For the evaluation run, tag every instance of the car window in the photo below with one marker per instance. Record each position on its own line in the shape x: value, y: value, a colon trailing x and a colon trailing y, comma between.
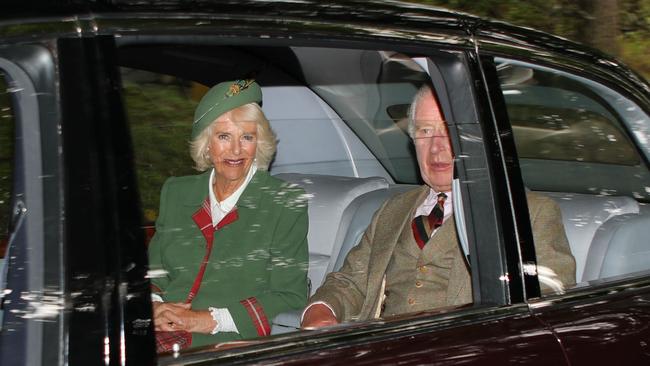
x: 6, y: 174
x: 581, y: 144
x: 341, y: 137
x: 159, y: 108
x: 557, y: 118
x: 373, y: 102
x: 336, y: 126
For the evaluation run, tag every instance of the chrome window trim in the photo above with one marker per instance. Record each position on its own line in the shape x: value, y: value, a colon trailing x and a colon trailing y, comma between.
x: 28, y: 196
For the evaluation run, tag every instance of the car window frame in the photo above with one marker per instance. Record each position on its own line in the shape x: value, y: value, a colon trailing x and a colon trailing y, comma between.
x: 577, y: 68
x: 508, y: 292
x: 28, y: 231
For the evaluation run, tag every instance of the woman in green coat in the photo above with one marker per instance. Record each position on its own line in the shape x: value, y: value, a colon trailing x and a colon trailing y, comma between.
x: 230, y: 249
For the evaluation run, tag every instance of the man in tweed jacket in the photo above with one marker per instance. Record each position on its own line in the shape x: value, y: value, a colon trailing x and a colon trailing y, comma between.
x: 393, y: 271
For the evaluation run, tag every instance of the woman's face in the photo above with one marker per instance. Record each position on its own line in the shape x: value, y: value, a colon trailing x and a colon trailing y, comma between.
x: 232, y: 148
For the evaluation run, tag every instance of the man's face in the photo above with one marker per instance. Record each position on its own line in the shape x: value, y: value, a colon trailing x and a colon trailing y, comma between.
x: 432, y: 145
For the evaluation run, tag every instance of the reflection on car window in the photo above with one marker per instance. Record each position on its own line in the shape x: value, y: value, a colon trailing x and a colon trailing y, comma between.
x: 160, y: 109
x: 573, y: 143
x: 558, y: 118
x: 342, y: 138
x: 6, y: 162
x: 373, y: 102
x: 6, y: 174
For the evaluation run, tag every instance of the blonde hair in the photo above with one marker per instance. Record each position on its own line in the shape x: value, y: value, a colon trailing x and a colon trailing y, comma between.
x: 266, y: 140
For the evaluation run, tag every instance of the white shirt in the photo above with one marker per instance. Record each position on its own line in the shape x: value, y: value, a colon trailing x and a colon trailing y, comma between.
x: 430, y: 202
x: 220, y: 209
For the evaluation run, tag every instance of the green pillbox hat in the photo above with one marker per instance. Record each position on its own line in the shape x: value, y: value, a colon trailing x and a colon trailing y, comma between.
x: 223, y: 97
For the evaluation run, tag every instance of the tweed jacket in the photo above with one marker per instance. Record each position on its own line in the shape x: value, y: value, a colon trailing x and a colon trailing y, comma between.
x: 258, y: 264
x: 356, y: 291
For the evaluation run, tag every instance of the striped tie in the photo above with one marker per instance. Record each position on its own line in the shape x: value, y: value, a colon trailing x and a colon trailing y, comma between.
x: 423, y: 226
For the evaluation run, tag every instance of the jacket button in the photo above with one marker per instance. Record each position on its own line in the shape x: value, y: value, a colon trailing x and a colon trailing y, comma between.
x: 418, y: 284
x: 411, y: 301
x: 423, y: 269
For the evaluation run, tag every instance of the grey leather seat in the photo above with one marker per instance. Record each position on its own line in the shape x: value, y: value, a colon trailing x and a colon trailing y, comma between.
x: 340, y: 209
x: 360, y: 213
x: 621, y: 246
x: 583, y: 215
x: 607, y: 234
x: 329, y: 215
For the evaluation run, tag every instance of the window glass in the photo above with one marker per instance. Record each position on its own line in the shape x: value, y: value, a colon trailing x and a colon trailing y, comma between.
x: 341, y: 137
x: 160, y: 108
x: 373, y: 102
x: 579, y: 143
x: 336, y: 126
x: 555, y: 117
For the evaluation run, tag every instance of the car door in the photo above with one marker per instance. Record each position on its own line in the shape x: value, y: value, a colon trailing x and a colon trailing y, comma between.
x: 581, y: 135
x: 499, y: 328
x: 32, y: 306
x: 73, y: 284
x: 107, y: 292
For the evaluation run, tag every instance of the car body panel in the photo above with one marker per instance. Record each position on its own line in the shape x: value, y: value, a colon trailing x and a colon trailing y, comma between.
x: 612, y: 329
x: 478, y: 336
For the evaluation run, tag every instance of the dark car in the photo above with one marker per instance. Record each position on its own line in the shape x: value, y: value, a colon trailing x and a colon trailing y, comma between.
x: 97, y: 100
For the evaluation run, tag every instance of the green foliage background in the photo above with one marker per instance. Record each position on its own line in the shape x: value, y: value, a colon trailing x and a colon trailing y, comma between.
x: 160, y: 115
x: 570, y: 19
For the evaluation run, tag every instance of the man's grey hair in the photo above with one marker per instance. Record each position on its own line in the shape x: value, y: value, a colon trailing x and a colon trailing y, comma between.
x: 422, y: 92
x: 266, y: 140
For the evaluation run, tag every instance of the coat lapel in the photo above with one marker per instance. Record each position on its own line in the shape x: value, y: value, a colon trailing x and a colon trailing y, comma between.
x: 391, y: 223
x: 197, y: 192
x: 459, y: 289
x: 198, y: 197
x: 387, y: 233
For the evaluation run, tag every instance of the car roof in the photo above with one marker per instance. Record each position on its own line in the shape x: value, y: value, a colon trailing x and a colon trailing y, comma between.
x: 398, y: 20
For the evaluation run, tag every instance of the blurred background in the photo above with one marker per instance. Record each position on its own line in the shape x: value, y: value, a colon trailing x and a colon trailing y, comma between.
x: 620, y: 28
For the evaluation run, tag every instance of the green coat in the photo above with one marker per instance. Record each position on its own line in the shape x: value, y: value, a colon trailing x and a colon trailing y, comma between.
x: 262, y: 255
x: 356, y: 291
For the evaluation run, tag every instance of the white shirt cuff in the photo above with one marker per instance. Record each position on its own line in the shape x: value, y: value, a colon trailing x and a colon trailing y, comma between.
x: 156, y: 298
x: 315, y: 303
x: 225, y: 322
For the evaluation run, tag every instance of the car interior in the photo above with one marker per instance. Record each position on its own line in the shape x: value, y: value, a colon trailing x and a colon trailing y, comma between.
x: 339, y: 115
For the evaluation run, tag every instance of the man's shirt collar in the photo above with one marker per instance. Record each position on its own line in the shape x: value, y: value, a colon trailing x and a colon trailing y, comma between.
x: 431, y: 200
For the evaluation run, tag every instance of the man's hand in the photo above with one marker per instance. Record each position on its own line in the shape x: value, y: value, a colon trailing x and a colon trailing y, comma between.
x: 317, y: 316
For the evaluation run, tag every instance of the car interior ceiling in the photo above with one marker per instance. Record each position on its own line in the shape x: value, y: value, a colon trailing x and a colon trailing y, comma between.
x: 210, y: 65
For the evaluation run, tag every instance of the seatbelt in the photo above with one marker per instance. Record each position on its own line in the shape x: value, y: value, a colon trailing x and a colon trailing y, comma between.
x: 459, y: 217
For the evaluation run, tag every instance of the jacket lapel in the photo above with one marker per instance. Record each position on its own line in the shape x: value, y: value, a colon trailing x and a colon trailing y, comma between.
x: 389, y: 227
x: 197, y: 192
x: 203, y: 217
x: 459, y: 289
x: 387, y: 233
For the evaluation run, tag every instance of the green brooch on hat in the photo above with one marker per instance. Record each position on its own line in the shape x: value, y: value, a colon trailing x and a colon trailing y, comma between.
x: 224, y: 97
